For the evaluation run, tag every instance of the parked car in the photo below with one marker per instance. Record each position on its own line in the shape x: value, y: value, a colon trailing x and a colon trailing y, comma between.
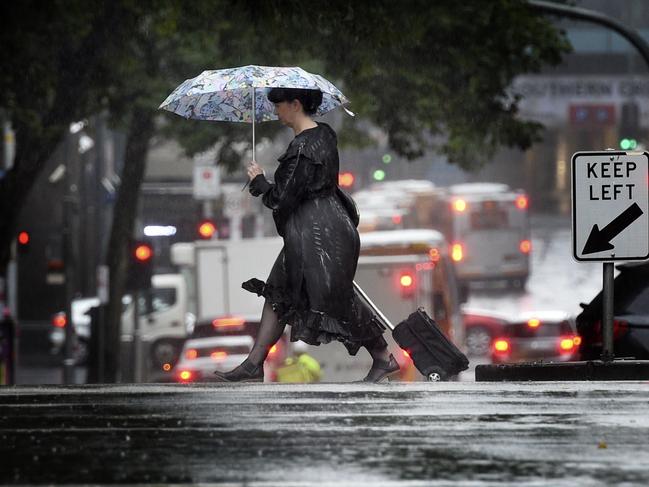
x: 222, y: 344
x: 631, y: 316
x: 538, y: 336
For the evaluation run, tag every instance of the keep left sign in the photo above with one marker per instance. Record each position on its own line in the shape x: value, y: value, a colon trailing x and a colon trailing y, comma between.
x: 610, y: 206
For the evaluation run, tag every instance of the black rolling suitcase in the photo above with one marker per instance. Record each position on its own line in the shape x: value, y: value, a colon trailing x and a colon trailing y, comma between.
x: 434, y: 355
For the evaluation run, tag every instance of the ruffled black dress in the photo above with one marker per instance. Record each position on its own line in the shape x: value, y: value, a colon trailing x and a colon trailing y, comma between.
x: 310, y: 284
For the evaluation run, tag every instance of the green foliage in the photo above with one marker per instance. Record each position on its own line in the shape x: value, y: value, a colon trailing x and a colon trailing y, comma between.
x: 433, y: 75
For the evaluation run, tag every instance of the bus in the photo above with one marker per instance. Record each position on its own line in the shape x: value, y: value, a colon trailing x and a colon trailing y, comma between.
x: 487, y: 227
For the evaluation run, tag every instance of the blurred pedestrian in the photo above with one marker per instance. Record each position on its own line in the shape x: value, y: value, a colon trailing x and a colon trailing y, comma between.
x: 310, y: 284
x: 299, y: 367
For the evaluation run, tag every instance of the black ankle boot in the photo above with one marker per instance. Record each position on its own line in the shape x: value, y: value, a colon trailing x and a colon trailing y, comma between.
x: 246, y: 372
x: 382, y: 369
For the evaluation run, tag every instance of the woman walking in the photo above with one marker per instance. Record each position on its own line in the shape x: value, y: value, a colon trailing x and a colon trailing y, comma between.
x: 310, y: 284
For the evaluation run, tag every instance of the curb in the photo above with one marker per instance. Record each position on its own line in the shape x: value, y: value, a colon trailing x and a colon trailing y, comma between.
x: 564, y: 371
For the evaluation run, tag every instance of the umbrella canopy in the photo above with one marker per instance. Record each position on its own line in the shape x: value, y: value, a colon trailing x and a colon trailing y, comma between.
x: 239, y: 94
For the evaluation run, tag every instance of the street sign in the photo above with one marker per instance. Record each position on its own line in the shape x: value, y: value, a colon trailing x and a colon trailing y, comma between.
x: 206, y: 182
x: 610, y: 206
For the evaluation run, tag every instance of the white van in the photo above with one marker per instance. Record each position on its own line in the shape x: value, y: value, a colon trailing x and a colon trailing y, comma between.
x: 163, y: 324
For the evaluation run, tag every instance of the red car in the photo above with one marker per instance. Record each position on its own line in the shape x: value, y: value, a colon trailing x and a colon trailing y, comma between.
x: 526, y: 336
x: 480, y: 328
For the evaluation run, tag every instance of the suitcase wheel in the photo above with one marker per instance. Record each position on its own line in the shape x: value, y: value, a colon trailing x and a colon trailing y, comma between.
x: 436, y: 374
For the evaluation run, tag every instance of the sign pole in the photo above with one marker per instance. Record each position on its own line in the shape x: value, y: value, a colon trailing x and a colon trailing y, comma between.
x: 607, y: 313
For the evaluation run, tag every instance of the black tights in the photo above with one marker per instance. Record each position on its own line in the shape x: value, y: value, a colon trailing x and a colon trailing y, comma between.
x: 378, y: 348
x: 270, y: 330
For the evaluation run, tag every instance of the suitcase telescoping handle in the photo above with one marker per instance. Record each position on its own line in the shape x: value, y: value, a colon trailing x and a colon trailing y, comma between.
x: 375, y: 308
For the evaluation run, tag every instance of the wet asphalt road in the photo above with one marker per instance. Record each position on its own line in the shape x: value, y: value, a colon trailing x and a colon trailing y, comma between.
x: 396, y: 434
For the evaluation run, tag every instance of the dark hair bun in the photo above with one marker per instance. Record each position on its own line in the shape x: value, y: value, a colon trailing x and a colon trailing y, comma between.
x: 310, y: 99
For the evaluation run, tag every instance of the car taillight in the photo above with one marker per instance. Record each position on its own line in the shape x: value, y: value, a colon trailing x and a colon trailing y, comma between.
x: 533, y: 323
x: 273, y: 350
x: 218, y: 356
x: 166, y: 367
x: 501, y: 346
x: 185, y: 375
x: 230, y: 323
x: 522, y: 202
x: 457, y: 252
x: 407, y: 284
x: 406, y: 280
x: 525, y: 246
x: 459, y: 205
x: 59, y: 320
x: 620, y: 328
x: 191, y: 354
x: 406, y: 354
x: 567, y: 344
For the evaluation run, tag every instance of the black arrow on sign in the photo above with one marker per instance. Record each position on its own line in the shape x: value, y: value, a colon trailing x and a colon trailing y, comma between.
x: 600, y: 240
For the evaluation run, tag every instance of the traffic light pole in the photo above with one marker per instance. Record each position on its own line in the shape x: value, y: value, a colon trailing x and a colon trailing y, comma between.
x: 137, y: 339
x: 139, y: 282
x: 69, y: 209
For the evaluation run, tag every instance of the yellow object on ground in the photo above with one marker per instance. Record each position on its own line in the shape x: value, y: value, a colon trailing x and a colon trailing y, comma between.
x: 303, y: 368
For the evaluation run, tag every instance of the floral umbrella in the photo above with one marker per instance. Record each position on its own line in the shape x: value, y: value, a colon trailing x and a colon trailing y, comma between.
x: 239, y: 94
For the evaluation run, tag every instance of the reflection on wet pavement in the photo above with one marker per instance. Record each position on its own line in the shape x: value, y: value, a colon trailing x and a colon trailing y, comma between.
x: 450, y: 433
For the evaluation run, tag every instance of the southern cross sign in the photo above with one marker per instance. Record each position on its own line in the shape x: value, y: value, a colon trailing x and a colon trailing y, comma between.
x: 610, y: 206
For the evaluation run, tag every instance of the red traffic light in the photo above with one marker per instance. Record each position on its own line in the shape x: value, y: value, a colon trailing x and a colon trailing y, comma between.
x: 522, y: 202
x: 140, y: 266
x: 143, y: 252
x: 206, y: 229
x: 346, y: 179
x: 23, y: 238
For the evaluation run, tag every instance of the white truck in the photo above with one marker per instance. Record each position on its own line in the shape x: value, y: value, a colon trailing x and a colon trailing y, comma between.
x: 214, y: 270
x: 163, y: 323
x: 227, y: 316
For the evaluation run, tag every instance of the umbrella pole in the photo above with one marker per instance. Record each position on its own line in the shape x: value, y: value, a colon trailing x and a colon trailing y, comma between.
x: 253, y: 125
x: 252, y: 94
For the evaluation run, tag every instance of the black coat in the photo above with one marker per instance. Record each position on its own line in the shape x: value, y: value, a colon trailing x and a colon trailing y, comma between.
x: 310, y: 285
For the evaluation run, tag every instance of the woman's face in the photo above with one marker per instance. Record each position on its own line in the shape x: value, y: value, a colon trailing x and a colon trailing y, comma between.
x: 285, y: 111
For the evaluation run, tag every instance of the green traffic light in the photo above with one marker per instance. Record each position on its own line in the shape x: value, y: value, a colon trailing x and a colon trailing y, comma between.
x: 626, y: 144
x: 387, y: 158
x: 379, y: 175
